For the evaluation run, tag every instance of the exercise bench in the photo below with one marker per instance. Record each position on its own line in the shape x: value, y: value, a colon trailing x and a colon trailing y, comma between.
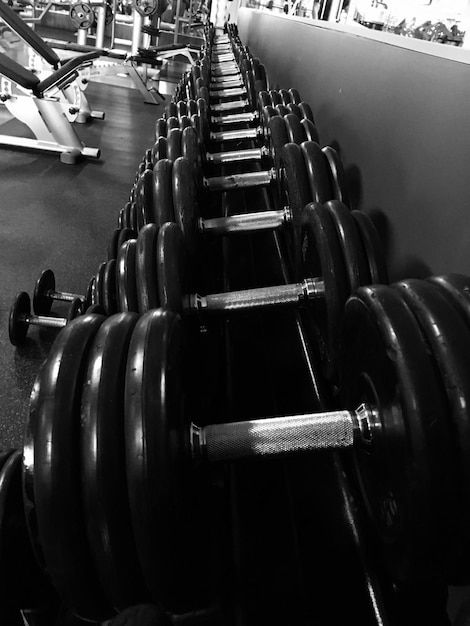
x: 41, y: 106
x: 43, y: 50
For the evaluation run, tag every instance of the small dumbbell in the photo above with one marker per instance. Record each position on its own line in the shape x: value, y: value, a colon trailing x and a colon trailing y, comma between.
x: 21, y: 318
x: 45, y: 293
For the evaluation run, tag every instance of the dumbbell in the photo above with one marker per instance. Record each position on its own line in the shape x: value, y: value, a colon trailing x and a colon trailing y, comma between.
x: 21, y: 318
x: 45, y: 293
x: 396, y: 422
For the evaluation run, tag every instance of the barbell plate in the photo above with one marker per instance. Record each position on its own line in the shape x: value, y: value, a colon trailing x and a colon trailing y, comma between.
x: 158, y: 467
x: 104, y: 484
x: 124, y: 235
x: 321, y: 256
x: 57, y: 472
x: 185, y: 199
x: 406, y: 474
x: 191, y: 150
x: 355, y: 262
x: 126, y: 277
x: 162, y: 193
x: 374, y: 248
x: 146, y: 268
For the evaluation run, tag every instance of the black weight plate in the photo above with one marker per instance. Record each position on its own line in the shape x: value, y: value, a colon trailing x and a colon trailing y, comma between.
x: 113, y: 244
x: 75, y: 309
x: 90, y: 297
x: 321, y: 256
x: 310, y: 130
x: 355, y: 261
x: 104, y: 484
x: 457, y: 289
x: 264, y: 99
x: 171, y: 267
x: 278, y: 137
x: 173, y: 146
x: 185, y: 121
x: 172, y: 122
x: 406, y: 473
x: 171, y: 110
x: 144, y: 197
x: 146, y: 268
x: 127, y: 222
x: 338, y: 176
x: 99, y: 284
x: 191, y: 150
x: 181, y: 108
x: 317, y: 172
x: 294, y: 96
x: 42, y: 302
x: 23, y: 584
x: 192, y: 108
x: 160, y: 128
x: 294, y: 128
x: 281, y: 109
x: 17, y: 324
x: 373, y: 247
x: 294, y: 108
x: 109, y: 299
x: 126, y: 277
x: 186, y: 202
x: 267, y: 112
x: 133, y: 214
x: 159, y: 468
x: 126, y: 233
x: 159, y: 150
x: 203, y: 94
x: 306, y: 111
x: 204, y: 136
x: 57, y: 472
x: 295, y: 193
x: 275, y: 97
x: 29, y: 502
x: 163, y: 194
x: 285, y: 96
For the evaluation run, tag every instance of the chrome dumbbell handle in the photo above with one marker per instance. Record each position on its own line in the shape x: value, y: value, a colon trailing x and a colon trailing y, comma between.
x: 260, y: 298
x: 222, y: 107
x: 235, y: 118
x: 247, y: 180
x: 277, y: 436
x: 236, y: 135
x: 264, y: 220
x: 236, y: 156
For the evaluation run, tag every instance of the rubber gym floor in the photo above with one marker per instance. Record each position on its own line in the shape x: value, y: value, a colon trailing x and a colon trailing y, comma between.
x: 61, y: 217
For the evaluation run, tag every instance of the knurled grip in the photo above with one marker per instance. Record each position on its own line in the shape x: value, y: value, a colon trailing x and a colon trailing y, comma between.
x: 278, y: 436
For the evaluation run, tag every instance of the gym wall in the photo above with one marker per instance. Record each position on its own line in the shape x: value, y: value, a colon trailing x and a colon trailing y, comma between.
x: 398, y: 110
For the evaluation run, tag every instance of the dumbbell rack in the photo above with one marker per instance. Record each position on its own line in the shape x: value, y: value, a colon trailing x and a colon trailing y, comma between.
x: 288, y: 542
